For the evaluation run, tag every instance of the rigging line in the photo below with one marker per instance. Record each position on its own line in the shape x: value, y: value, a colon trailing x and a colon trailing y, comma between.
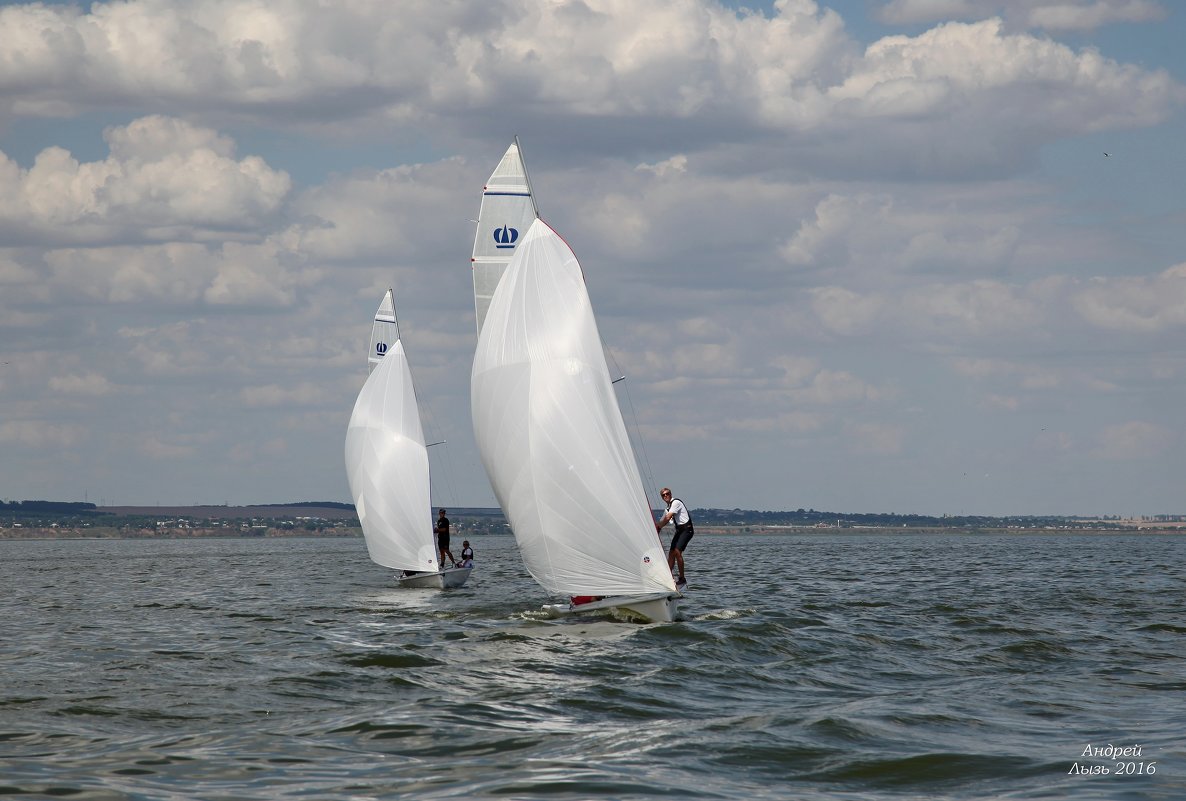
x: 441, y: 457
x: 429, y: 418
x: 648, y: 476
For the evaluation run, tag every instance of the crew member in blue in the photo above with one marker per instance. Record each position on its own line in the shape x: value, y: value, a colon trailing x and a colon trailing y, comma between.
x: 676, y: 513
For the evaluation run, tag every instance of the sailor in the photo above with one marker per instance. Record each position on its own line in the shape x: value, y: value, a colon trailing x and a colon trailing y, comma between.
x: 442, y: 531
x: 676, y: 513
x: 467, y: 554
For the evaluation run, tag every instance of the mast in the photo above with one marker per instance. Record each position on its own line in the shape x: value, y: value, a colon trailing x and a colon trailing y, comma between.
x: 526, y: 176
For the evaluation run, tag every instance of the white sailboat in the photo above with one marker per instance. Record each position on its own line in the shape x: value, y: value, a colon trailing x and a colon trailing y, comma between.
x: 387, y: 465
x: 553, y: 442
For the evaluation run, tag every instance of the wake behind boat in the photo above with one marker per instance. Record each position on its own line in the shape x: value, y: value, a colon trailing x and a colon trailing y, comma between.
x: 387, y: 465
x: 553, y: 442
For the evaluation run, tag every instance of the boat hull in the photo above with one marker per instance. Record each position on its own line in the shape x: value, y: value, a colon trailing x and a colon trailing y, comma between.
x: 658, y: 607
x: 449, y: 579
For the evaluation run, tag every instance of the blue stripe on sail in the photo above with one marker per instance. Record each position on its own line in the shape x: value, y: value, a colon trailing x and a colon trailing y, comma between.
x: 506, y: 194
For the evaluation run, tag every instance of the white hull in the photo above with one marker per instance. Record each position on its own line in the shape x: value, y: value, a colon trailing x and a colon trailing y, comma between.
x: 658, y: 607
x: 449, y: 579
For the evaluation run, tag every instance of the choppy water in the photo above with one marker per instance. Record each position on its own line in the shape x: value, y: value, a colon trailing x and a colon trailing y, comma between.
x: 806, y: 667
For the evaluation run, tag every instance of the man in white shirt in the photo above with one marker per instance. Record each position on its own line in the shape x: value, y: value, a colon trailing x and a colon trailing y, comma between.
x: 678, y: 514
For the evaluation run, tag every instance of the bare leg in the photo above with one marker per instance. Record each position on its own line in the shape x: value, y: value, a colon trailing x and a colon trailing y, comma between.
x: 676, y: 557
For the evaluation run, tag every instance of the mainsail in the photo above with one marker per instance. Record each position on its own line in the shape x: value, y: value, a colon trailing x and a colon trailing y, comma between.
x: 387, y: 461
x: 507, y: 210
x: 551, y: 435
x: 384, y: 331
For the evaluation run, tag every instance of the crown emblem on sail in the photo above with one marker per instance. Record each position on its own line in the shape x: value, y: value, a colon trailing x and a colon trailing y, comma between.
x: 380, y: 348
x: 505, y: 237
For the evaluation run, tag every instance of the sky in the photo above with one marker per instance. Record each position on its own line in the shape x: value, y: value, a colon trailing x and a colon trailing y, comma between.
x: 912, y: 256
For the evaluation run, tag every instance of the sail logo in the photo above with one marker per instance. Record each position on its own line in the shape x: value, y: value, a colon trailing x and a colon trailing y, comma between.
x: 505, y: 237
x: 380, y: 348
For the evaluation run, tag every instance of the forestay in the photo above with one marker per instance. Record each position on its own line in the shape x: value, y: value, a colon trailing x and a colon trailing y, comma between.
x: 551, y: 435
x: 506, y: 212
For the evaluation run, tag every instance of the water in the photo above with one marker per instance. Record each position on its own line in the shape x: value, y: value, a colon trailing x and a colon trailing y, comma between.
x: 805, y: 667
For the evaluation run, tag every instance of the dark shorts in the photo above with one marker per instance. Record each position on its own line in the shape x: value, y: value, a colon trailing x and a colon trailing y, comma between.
x: 683, y: 535
x: 442, y: 542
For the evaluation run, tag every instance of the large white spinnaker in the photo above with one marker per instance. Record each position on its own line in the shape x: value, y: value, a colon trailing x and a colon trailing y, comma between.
x: 387, y: 466
x: 551, y: 435
x: 507, y: 210
x: 384, y: 331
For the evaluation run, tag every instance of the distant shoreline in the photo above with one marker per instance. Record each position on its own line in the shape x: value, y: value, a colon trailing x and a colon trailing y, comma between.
x: 61, y: 521
x: 111, y: 533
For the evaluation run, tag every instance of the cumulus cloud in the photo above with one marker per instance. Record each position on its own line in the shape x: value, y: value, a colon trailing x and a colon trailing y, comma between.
x: 676, y: 164
x: 696, y: 62
x: 85, y: 384
x: 164, y: 179
x: 978, y: 70
x: 1136, y: 439
x: 158, y: 449
x: 41, y: 434
x: 1055, y: 15
x: 1135, y: 303
x: 876, y: 438
x: 273, y: 396
x: 376, y: 214
x: 232, y: 274
x: 932, y: 234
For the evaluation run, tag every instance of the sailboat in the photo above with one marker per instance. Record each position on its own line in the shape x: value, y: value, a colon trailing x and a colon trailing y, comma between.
x: 387, y: 464
x: 553, y: 442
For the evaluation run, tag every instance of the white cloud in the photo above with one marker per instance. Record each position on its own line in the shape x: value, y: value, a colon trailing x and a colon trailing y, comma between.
x: 876, y: 438
x: 42, y: 434
x: 1135, y: 304
x: 933, y: 232
x: 1087, y: 14
x: 158, y: 449
x: 1053, y: 15
x: 277, y: 396
x: 965, y: 72
x: 164, y: 179
x: 676, y: 164
x: 687, y: 60
x: 977, y: 307
x: 88, y: 384
x: 1136, y: 439
x: 832, y: 387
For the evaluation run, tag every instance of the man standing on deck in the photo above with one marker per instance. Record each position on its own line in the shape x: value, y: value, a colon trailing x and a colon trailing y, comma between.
x: 678, y: 514
x: 442, y: 530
